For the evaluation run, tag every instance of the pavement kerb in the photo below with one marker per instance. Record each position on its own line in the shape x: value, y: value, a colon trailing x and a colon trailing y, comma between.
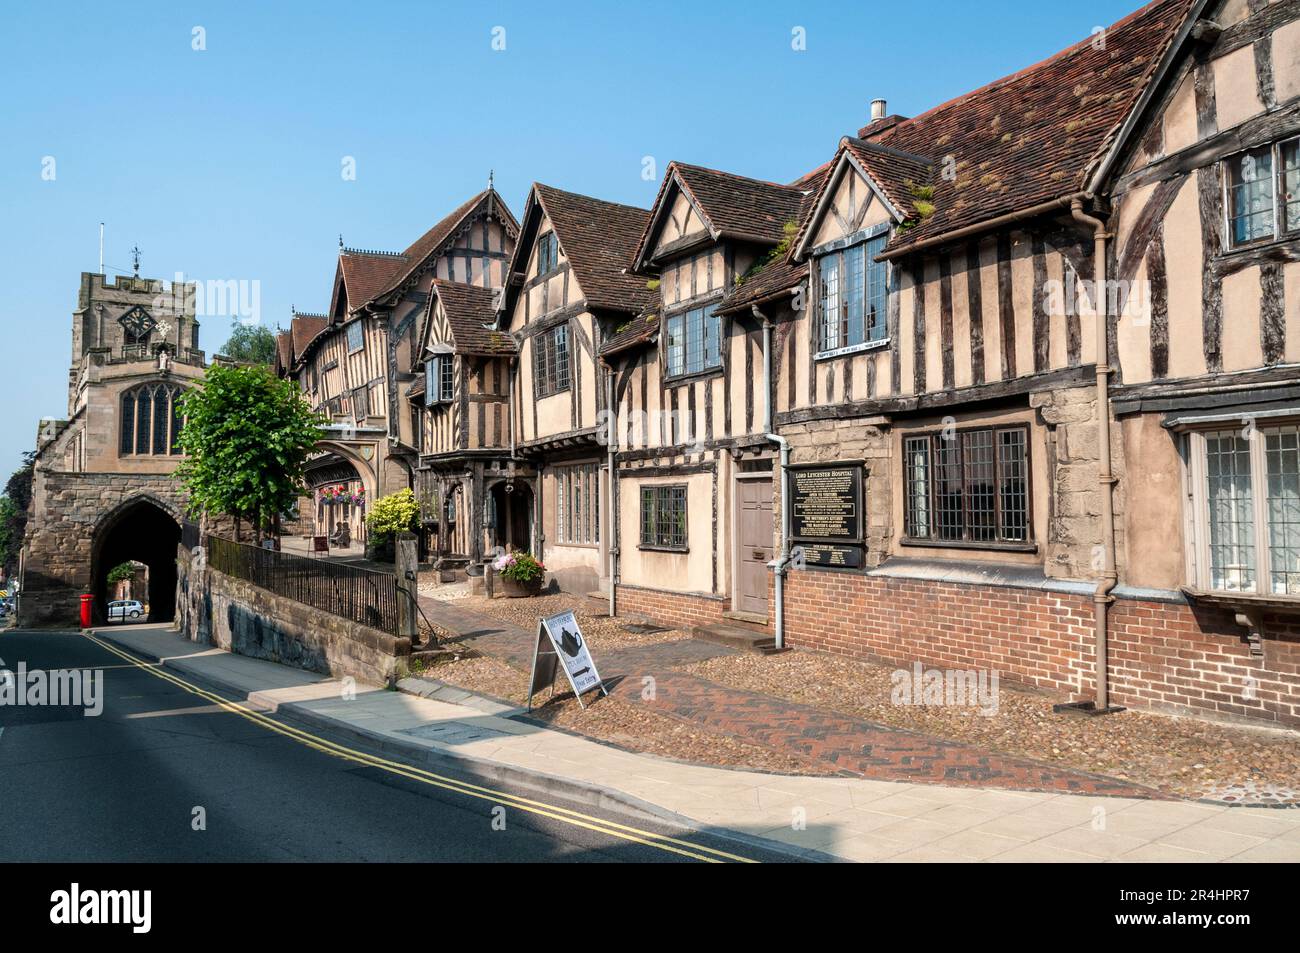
x: 580, y: 792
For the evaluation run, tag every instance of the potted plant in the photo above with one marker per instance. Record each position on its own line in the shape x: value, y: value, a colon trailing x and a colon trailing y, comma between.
x: 521, y: 574
x: 396, y: 513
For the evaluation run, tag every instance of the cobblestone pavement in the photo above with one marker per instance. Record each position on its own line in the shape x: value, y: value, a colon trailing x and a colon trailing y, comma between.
x: 646, y: 674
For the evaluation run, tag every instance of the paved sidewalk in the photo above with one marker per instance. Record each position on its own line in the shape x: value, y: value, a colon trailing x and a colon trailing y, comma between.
x: 806, y: 733
x: 854, y: 819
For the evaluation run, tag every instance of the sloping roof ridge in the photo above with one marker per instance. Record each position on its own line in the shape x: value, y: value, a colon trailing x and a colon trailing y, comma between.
x: 883, y: 149
x: 371, y: 253
x: 1020, y: 73
x: 733, y: 175
x: 588, y: 198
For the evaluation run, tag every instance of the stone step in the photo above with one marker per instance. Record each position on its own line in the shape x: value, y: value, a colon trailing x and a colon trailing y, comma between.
x: 753, y: 621
x: 598, y: 604
x: 732, y: 636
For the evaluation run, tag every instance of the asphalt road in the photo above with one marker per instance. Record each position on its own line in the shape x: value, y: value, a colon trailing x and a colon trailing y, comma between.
x: 124, y: 786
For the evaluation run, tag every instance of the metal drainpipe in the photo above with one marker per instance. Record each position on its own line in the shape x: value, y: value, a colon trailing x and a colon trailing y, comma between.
x: 511, y: 398
x: 782, y: 563
x: 611, y: 492
x: 1102, y: 598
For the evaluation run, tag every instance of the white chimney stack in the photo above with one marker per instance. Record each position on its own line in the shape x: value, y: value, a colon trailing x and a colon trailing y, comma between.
x: 877, y: 110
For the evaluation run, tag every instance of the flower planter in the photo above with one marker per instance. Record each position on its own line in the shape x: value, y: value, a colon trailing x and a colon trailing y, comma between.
x: 518, y: 590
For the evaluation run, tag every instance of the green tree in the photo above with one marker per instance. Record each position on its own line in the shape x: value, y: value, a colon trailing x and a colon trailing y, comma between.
x: 13, y: 512
x: 247, y: 436
x: 250, y: 344
x: 120, y: 573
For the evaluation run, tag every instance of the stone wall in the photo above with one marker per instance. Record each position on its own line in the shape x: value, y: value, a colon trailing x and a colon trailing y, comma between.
x: 215, y: 609
x: 1073, y: 537
x: 835, y: 441
x: 69, y: 510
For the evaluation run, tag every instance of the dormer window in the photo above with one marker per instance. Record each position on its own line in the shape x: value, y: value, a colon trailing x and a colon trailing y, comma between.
x: 852, y: 295
x: 693, y: 342
x: 548, y: 253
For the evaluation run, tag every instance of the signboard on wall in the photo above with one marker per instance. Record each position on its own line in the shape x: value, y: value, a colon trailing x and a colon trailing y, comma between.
x: 826, y: 515
x: 832, y: 557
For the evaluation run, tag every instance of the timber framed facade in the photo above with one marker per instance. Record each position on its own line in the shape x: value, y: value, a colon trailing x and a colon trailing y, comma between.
x: 1038, y: 345
x: 358, y: 362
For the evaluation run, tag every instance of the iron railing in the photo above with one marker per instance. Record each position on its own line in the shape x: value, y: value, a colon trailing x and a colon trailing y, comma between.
x: 362, y: 595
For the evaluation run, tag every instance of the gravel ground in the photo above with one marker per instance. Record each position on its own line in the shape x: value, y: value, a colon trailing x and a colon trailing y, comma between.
x: 602, y: 633
x: 617, y: 722
x: 1182, y: 756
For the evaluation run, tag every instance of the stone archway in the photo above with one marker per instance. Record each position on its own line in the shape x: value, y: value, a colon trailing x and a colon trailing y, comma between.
x: 141, y: 529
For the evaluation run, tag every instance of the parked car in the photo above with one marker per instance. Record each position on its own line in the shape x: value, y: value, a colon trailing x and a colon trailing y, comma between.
x: 124, y: 610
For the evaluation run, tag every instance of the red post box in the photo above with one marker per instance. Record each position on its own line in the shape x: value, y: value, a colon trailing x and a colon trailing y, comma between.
x: 87, y: 601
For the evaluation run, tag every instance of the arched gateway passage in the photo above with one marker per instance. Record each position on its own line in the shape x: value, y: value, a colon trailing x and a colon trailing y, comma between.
x: 144, y: 531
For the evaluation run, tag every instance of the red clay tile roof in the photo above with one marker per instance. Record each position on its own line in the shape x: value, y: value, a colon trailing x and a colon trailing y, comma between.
x: 638, y: 329
x: 732, y: 205
x: 898, y: 174
x: 366, y: 273
x: 304, y: 329
x: 598, y: 239
x: 780, y: 276
x: 1032, y: 137
x: 469, y: 309
x: 284, y: 349
x: 431, y: 242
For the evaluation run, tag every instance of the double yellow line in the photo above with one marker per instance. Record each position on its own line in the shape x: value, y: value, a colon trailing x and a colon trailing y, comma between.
x: 575, y: 818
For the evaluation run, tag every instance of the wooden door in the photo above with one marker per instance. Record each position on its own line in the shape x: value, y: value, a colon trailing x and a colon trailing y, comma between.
x: 754, y: 543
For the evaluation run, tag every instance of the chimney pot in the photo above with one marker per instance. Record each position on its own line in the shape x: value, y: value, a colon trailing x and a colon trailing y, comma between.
x: 877, y: 110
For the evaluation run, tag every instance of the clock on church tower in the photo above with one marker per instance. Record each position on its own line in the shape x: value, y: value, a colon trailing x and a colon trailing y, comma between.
x: 138, y: 324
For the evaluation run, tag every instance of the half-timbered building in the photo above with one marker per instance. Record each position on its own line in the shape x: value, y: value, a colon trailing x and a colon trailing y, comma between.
x: 569, y: 291
x: 695, y: 488
x: 357, y: 361
x: 473, y: 496
x: 1037, y: 342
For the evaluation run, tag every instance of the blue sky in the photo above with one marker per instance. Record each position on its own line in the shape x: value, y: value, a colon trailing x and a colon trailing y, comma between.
x: 225, y: 163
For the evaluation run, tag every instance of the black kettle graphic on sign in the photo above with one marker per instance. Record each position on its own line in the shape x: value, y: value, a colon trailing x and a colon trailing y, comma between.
x: 570, y: 643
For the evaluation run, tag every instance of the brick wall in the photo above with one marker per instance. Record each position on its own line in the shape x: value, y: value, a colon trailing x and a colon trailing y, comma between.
x: 681, y: 610
x: 1163, y: 656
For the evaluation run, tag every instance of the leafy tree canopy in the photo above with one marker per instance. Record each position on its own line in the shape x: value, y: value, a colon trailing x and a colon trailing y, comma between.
x: 250, y: 344
x: 120, y: 573
x: 247, y: 436
x: 13, y: 512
